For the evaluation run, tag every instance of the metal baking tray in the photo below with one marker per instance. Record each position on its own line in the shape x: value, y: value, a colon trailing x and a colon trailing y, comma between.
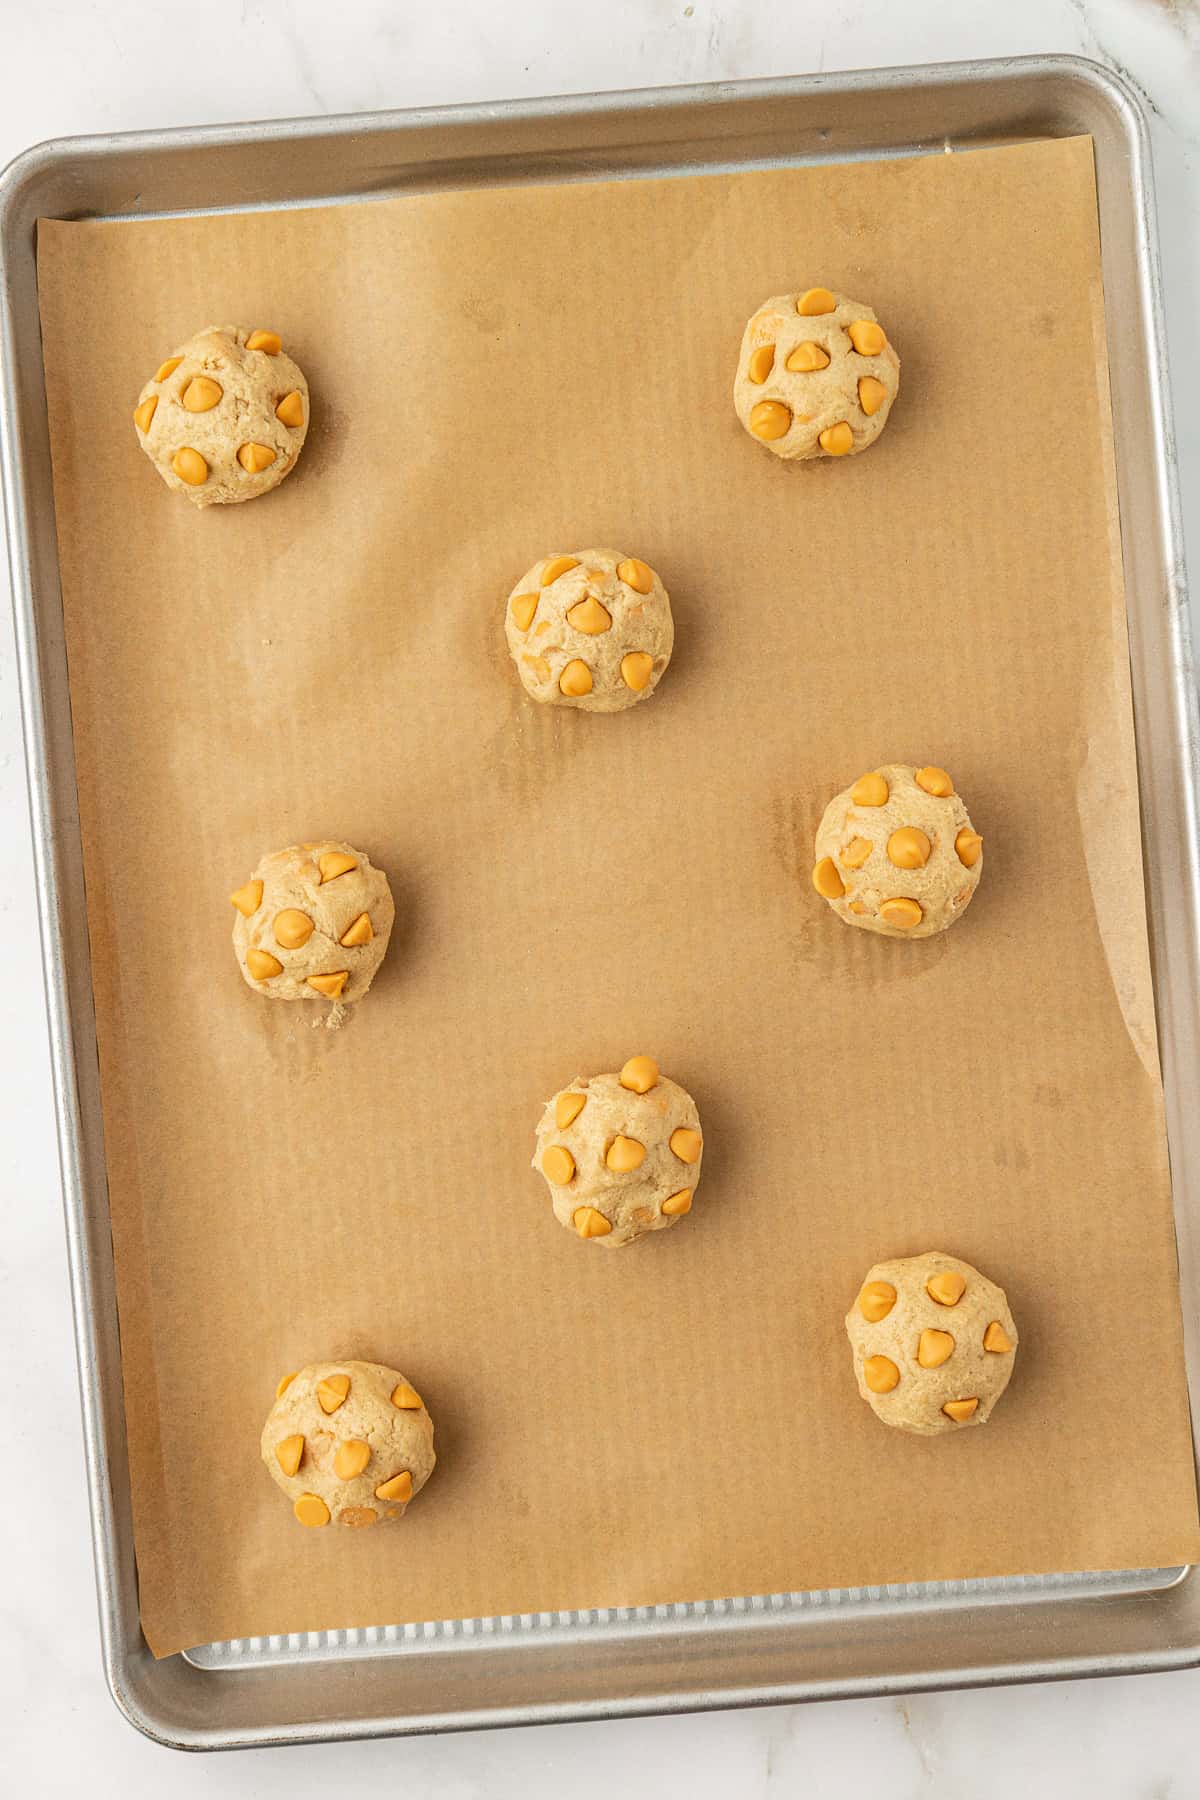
x: 428, y: 1676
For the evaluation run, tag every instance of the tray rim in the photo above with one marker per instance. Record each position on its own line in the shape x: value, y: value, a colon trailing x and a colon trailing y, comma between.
x: 126, y: 1661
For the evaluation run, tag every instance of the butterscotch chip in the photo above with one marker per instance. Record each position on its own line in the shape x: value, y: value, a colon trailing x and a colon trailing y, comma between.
x: 604, y: 632
x: 290, y: 411
x: 589, y: 1223
x: 934, y: 1348
x: 880, y: 1374
x: 610, y: 1149
x: 624, y: 1155
x: 946, y: 1287
x: 189, y: 466
x: 313, y: 923
x: 254, y: 458
x: 802, y: 387
x: 770, y: 420
x: 332, y: 1391
x: 556, y: 566
x: 228, y: 423
x: 336, y: 862
x: 523, y: 607
x: 247, y: 898
x: 292, y: 928
x: 836, y: 440
x: 310, y: 1509
x: 686, y: 1144
x: 261, y: 965
x: 876, y: 1300
x: 759, y: 364
x: 826, y: 879
x: 200, y: 394
x: 589, y: 617
x: 396, y: 1487
x: 943, y: 1379
x: 996, y: 1339
x: 359, y: 932
x: 288, y: 1452
x: 343, y: 1437
x: 567, y: 1107
x: 640, y: 1074
x: 889, y: 852
x: 558, y: 1165
x: 284, y: 1382
x: 868, y: 338
x: 806, y: 359
x: 351, y: 1458
x: 330, y: 985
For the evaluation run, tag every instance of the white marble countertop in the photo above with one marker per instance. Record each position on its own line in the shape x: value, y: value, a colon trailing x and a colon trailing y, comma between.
x: 83, y: 66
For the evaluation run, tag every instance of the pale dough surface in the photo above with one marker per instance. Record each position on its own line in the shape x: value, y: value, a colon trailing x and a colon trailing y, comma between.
x: 821, y: 398
x: 969, y: 1372
x: 252, y: 383
x: 399, y: 1439
x: 292, y: 881
x: 631, y: 1203
x: 641, y: 626
x: 942, y: 887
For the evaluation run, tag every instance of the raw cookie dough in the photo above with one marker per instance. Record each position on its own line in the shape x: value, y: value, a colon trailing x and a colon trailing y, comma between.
x: 592, y: 630
x: 225, y: 416
x: 348, y: 1441
x: 933, y: 1343
x: 896, y: 853
x: 313, y: 923
x: 620, y: 1153
x: 816, y: 376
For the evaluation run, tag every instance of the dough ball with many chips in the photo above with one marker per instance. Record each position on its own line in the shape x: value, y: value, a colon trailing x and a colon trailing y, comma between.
x: 592, y: 630
x: 313, y: 923
x: 620, y: 1153
x: 933, y: 1343
x: 896, y: 852
x: 225, y: 417
x: 816, y: 376
x: 348, y: 1442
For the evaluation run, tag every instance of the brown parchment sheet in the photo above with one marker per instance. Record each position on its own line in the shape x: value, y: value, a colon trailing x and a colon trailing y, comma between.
x: 497, y: 375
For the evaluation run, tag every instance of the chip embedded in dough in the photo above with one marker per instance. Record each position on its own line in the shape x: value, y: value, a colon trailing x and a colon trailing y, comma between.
x: 816, y: 376
x: 933, y: 1343
x: 896, y: 852
x: 225, y: 416
x: 350, y: 1443
x: 620, y: 1153
x: 590, y: 629
x: 313, y: 923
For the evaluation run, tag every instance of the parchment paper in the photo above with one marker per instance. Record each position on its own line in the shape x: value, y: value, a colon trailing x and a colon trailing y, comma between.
x: 496, y: 375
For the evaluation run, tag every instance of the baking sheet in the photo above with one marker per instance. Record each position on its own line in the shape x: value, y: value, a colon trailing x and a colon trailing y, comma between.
x: 495, y: 376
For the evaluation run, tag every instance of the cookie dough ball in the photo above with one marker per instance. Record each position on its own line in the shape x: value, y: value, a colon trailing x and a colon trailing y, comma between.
x: 933, y: 1343
x: 313, y: 923
x: 816, y: 376
x: 348, y: 1441
x: 620, y: 1153
x: 896, y: 853
x: 224, y: 418
x: 592, y: 630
